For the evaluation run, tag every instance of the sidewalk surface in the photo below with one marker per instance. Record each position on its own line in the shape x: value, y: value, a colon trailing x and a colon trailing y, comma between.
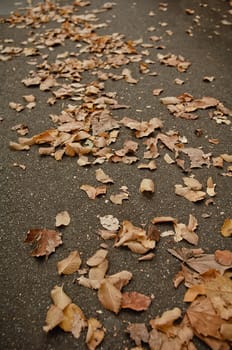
x: 177, y: 49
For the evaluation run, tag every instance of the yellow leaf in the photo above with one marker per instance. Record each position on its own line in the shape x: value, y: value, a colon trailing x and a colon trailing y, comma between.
x: 226, y: 229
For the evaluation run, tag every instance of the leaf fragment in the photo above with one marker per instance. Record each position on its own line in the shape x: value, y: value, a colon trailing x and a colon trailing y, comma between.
x: 53, y: 318
x: 95, y: 334
x: 93, y: 192
x: 147, y: 185
x: 63, y: 219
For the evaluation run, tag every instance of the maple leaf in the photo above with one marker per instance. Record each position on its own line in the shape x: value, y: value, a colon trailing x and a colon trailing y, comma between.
x: 45, y: 241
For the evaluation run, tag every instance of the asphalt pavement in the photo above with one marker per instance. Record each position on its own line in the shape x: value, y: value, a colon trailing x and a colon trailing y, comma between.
x: 35, y: 188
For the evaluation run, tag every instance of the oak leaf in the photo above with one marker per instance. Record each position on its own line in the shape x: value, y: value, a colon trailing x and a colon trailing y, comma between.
x: 45, y: 241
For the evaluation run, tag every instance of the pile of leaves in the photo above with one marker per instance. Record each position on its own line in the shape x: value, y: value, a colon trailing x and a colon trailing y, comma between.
x: 88, y: 130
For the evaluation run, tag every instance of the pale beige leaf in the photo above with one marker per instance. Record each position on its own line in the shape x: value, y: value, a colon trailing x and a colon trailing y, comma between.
x: 147, y: 185
x: 54, y: 317
x: 98, y: 272
x: 109, y: 222
x: 139, y: 333
x: 167, y: 319
x: 97, y: 258
x: 191, y: 195
x: 95, y: 334
x: 110, y: 296
x: 60, y: 298
x: 101, y: 176
x: 161, y: 219
x: 192, y: 183
x: 146, y: 257
x: 93, y: 192
x: 120, y: 279
x: 70, y: 264
x: 226, y: 157
x: 63, y: 219
x: 119, y: 197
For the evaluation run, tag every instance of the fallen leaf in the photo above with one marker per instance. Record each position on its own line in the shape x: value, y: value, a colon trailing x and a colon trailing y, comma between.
x: 157, y: 92
x: 223, y: 257
x: 62, y: 219
x: 54, y: 317
x: 210, y: 187
x: 147, y: 185
x: 146, y: 257
x: 138, y: 332
x: 95, y: 334
x: 120, y: 279
x: 135, y: 301
x: 109, y: 222
x: 93, y: 192
x: 191, y: 195
x: 70, y: 264
x: 73, y: 321
x: 102, y: 177
x: 97, y: 273
x: 226, y: 229
x: 97, y: 258
x: 60, y: 298
x: 110, y: 296
x: 166, y: 319
x: 45, y: 241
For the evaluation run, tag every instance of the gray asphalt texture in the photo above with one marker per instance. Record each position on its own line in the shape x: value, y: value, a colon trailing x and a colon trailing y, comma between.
x: 31, y: 198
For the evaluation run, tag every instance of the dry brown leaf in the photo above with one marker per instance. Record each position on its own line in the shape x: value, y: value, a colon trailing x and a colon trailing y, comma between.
x: 192, y: 183
x: 147, y: 185
x: 97, y: 258
x: 138, y: 332
x: 166, y: 320
x: 151, y: 165
x: 120, y: 279
x: 18, y: 147
x: 70, y: 264
x: 45, y: 241
x: 191, y: 195
x: 54, y: 317
x: 102, y: 177
x: 157, y: 92
x: 127, y: 75
x: 205, y: 262
x: 93, y: 192
x: 162, y: 219
x: 110, y: 296
x: 197, y: 157
x: 223, y: 257
x: 146, y: 257
x: 106, y: 234
x: 226, y: 157
x: 95, y: 334
x: 18, y: 107
x: 73, y: 321
x: 98, y: 272
x: 119, y: 197
x: 226, y: 229
x: 60, y: 298
x: 109, y: 222
x: 63, y: 219
x: 135, y: 301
